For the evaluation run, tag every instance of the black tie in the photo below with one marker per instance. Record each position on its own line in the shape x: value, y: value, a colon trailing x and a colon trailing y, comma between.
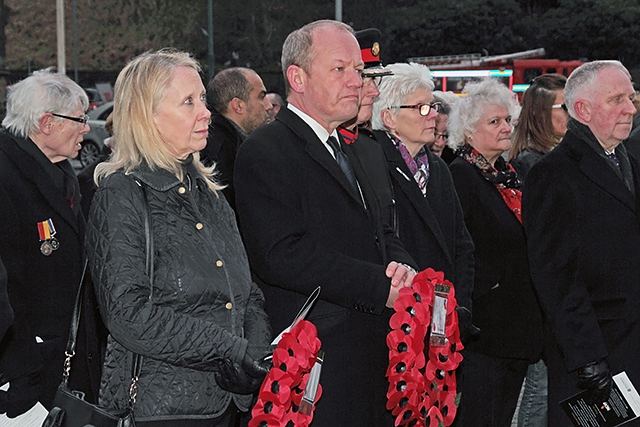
x: 343, y: 161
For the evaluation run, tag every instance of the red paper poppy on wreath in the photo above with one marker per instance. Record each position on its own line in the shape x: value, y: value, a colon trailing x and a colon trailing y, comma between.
x: 433, y: 418
x: 268, y: 403
x: 418, y: 391
x: 407, y: 303
x: 448, y: 408
x: 285, y: 383
x: 279, y: 383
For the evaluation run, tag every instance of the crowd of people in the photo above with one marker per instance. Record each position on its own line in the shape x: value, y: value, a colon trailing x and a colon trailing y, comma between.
x: 218, y: 210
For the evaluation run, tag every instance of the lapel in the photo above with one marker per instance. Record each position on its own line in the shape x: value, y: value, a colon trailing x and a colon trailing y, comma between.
x: 31, y: 171
x: 594, y: 167
x: 402, y: 175
x: 319, y: 152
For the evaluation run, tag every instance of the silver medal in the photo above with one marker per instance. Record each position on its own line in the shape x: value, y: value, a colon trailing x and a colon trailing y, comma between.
x: 46, y: 248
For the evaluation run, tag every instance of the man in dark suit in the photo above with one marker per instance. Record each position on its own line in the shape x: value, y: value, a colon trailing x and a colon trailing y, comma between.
x: 239, y: 106
x: 581, y: 214
x: 310, y: 221
x: 42, y: 246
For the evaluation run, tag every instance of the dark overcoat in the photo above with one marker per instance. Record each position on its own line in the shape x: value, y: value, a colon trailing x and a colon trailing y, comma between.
x: 222, y: 146
x: 42, y: 289
x: 583, y: 227
x: 505, y: 307
x: 431, y: 228
x: 304, y: 226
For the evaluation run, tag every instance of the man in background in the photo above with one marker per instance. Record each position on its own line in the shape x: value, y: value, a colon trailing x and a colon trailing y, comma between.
x: 237, y: 99
x: 277, y: 103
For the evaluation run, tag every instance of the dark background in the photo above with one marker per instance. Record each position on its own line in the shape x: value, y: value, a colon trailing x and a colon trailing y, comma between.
x: 250, y: 32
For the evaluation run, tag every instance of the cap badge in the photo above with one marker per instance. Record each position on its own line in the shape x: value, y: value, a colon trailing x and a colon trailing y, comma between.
x: 375, y: 49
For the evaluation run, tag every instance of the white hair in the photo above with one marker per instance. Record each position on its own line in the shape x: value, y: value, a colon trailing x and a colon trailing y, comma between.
x: 406, y: 79
x: 42, y: 92
x: 469, y: 109
x: 583, y: 80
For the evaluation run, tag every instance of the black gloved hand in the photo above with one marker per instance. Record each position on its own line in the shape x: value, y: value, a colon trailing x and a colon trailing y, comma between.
x: 468, y: 330
x: 23, y: 393
x: 596, y: 377
x: 242, y: 379
x: 257, y: 368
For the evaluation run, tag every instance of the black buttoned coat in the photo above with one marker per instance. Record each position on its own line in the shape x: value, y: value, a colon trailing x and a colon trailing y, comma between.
x: 42, y: 289
x: 305, y: 226
x: 583, y: 229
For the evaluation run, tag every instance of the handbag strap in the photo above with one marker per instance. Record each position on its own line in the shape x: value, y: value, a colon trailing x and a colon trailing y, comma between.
x: 136, y: 364
x: 136, y: 367
x: 73, y: 328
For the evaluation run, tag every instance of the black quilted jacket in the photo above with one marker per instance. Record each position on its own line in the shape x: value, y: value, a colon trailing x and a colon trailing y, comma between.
x: 203, y: 305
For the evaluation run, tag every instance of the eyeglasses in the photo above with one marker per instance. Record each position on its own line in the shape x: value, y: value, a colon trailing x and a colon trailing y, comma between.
x: 375, y: 79
x: 83, y: 119
x: 444, y: 136
x: 424, y: 109
x: 563, y: 106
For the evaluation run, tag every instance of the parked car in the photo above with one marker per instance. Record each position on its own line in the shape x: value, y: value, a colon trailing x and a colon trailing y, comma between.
x: 93, y: 142
x: 94, y: 98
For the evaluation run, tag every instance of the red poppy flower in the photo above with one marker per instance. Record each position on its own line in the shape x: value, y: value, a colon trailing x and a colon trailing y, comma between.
x: 268, y: 404
x: 265, y: 420
x: 415, y: 307
x: 409, y: 384
x: 448, y: 407
x: 285, y: 362
x: 444, y: 357
x: 407, y: 408
x: 433, y: 418
x: 278, y: 383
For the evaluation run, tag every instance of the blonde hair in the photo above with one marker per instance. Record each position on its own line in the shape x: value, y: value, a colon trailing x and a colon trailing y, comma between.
x: 139, y: 91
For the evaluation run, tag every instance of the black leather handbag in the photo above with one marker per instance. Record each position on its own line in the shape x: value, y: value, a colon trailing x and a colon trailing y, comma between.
x: 69, y: 407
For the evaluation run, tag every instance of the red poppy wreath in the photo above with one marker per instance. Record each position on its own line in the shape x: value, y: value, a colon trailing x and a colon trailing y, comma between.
x: 281, y: 393
x: 422, y: 381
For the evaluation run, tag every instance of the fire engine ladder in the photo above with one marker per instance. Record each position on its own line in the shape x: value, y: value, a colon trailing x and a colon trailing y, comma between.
x: 474, y: 59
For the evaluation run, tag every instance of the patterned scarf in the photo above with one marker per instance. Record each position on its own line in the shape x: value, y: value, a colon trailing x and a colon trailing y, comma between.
x: 503, y: 176
x: 418, y: 165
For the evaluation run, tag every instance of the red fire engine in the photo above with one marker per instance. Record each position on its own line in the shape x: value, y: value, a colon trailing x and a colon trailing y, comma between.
x: 516, y: 70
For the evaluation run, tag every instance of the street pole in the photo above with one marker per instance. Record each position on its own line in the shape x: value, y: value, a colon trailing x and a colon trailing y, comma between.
x: 60, y: 33
x: 210, y: 37
x: 339, y: 10
x: 75, y: 42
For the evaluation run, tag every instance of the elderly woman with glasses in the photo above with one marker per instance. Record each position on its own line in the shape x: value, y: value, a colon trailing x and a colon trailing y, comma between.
x: 542, y: 122
x: 505, y: 307
x: 428, y: 216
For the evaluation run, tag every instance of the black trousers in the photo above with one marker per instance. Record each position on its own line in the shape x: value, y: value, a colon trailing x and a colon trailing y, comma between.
x: 490, y: 389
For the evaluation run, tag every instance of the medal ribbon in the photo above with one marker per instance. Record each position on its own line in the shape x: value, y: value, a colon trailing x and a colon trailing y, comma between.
x: 46, y: 229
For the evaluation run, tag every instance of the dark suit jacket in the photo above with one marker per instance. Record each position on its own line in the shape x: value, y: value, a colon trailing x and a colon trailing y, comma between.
x: 305, y: 226
x: 523, y: 162
x: 633, y: 142
x: 42, y: 289
x: 222, y: 146
x: 431, y: 228
x: 6, y: 312
x: 505, y: 307
x: 583, y: 227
